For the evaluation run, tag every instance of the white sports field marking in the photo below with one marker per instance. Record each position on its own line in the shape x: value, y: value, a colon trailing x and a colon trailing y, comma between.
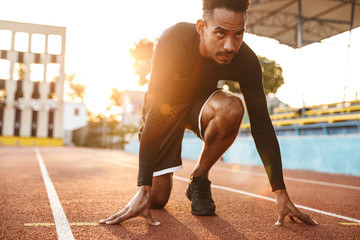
x: 273, y: 200
x: 62, y: 225
x: 53, y: 224
x: 292, y: 179
x: 240, y: 192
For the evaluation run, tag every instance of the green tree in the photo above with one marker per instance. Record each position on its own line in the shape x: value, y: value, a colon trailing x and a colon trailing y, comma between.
x: 114, y: 109
x: 75, y: 91
x: 272, y: 77
x: 142, y: 54
x: 116, y: 97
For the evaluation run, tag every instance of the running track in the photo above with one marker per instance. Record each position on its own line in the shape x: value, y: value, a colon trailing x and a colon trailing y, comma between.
x: 62, y: 192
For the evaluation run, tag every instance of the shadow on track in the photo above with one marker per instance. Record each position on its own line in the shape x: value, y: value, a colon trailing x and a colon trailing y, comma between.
x: 220, y: 227
x: 137, y: 228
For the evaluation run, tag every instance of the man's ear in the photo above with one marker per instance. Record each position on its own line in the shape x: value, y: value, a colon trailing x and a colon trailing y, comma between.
x: 200, y: 25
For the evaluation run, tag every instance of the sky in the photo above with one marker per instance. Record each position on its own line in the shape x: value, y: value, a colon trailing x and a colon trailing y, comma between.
x: 99, y: 35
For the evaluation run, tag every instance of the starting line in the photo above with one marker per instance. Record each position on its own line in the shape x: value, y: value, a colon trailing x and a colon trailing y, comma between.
x: 97, y: 224
x: 53, y: 224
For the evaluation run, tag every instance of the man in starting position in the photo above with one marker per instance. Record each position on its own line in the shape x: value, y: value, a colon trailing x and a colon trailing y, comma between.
x: 188, y: 62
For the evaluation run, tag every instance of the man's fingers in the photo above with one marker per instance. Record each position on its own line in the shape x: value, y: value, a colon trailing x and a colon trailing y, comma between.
x: 120, y: 218
x: 147, y: 215
x: 305, y: 218
x: 281, y: 219
x: 152, y: 222
x: 129, y: 215
x: 113, y: 216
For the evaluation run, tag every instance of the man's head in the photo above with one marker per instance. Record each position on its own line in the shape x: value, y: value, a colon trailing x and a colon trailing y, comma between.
x: 222, y: 28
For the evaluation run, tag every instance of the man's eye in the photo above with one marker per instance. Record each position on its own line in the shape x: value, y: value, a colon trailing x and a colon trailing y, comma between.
x: 220, y: 34
x: 238, y: 35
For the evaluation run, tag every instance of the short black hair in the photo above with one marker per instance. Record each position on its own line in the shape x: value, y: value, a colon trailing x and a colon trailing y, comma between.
x: 232, y: 5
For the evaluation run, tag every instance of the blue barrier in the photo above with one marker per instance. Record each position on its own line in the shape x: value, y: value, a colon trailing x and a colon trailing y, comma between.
x: 338, y: 154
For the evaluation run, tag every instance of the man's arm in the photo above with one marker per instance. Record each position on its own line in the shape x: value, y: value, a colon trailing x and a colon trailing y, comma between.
x: 263, y: 132
x: 265, y: 138
x: 152, y: 133
x: 269, y: 151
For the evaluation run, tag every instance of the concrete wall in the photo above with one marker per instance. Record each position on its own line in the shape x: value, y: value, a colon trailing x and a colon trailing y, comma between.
x: 331, y: 154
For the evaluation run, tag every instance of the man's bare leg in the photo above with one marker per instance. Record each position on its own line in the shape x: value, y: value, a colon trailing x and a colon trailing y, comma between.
x: 160, y: 190
x: 221, y: 119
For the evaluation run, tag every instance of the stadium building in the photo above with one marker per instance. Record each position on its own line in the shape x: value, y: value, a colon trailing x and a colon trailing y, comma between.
x: 32, y: 76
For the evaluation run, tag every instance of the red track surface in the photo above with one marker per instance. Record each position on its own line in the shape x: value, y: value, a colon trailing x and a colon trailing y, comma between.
x: 92, y: 184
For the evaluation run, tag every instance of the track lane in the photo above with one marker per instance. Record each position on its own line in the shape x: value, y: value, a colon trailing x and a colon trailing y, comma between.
x: 93, y: 183
x: 23, y: 197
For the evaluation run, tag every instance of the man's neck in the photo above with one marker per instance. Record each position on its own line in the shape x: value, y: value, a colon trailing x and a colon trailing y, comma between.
x: 202, y: 48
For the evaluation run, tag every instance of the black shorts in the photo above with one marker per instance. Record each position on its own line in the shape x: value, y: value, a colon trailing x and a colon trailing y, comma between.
x: 186, y: 116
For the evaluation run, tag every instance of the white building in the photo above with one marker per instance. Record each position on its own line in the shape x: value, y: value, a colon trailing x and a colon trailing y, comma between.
x: 32, y: 76
x: 75, y: 117
x: 132, y: 103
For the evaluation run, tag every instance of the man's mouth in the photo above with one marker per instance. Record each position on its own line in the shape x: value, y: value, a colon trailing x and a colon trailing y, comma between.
x: 225, y: 56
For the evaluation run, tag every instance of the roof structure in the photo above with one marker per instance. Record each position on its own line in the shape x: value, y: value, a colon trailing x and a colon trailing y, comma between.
x: 298, y: 23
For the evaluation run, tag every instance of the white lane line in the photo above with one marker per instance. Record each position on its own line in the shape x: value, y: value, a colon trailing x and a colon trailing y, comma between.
x: 273, y: 200
x: 292, y: 179
x: 322, y: 183
x: 62, y: 225
x: 240, y: 192
x: 264, y: 175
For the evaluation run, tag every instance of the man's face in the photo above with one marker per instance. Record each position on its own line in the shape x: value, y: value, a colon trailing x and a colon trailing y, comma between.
x: 222, y: 35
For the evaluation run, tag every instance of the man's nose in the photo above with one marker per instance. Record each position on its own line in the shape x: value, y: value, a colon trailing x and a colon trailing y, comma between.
x: 229, y: 45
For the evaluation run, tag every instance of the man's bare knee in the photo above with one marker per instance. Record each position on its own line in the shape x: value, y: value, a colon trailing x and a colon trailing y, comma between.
x: 160, y: 191
x: 230, y: 114
x: 234, y: 109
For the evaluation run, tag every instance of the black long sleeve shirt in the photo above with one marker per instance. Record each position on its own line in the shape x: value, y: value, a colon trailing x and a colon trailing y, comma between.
x: 180, y: 75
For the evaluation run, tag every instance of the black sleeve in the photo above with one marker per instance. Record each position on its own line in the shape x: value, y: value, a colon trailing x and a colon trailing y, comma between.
x: 163, y: 68
x: 262, y: 129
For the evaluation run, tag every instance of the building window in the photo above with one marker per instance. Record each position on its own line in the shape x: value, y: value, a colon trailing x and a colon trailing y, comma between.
x: 21, y: 42
x: 36, y: 72
x: 19, y: 71
x: 5, y: 39
x: 52, y: 72
x: 4, y: 69
x: 54, y: 44
x: 37, y: 43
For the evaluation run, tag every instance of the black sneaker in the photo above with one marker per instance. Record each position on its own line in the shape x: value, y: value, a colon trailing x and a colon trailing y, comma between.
x: 199, y: 193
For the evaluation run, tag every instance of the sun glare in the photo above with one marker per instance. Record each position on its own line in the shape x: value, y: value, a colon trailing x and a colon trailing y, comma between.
x: 97, y: 49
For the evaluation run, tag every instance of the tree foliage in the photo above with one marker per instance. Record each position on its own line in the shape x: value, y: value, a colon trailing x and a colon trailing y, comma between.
x: 75, y: 91
x: 116, y: 97
x: 271, y: 73
x: 142, y: 54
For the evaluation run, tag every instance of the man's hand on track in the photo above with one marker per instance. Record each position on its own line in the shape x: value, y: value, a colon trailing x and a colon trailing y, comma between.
x: 138, y: 206
x: 287, y: 208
